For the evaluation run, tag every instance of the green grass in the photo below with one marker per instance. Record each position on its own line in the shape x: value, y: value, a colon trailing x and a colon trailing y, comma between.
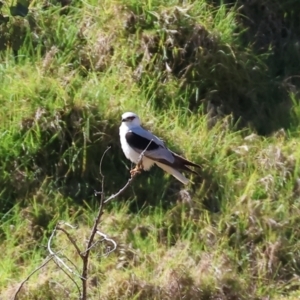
x: 187, y: 72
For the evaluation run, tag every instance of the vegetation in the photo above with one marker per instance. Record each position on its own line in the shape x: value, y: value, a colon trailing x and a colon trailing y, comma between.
x: 217, y: 80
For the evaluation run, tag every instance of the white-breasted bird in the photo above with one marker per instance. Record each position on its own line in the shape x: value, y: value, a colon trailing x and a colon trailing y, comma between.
x: 135, y: 139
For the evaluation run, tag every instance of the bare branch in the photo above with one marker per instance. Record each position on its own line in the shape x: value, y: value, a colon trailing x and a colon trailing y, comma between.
x: 113, y: 196
x: 92, y: 246
x: 105, y: 238
x: 143, y: 153
x: 70, y: 277
x: 85, y: 256
x: 56, y: 257
x: 70, y: 239
x: 70, y: 261
x: 101, y: 161
x: 28, y: 277
x: 68, y: 224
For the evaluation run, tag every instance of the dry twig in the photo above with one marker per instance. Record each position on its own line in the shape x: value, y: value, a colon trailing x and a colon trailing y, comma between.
x: 86, y: 254
x: 94, y: 229
x: 105, y: 238
x: 28, y: 277
x: 59, y: 261
x: 70, y: 277
x: 73, y: 242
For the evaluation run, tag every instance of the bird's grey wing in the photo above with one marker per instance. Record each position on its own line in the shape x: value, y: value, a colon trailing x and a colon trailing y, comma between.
x: 139, y: 140
x: 147, y: 135
x: 162, y: 155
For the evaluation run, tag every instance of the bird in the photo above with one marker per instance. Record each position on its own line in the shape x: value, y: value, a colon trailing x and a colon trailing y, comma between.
x: 145, y: 149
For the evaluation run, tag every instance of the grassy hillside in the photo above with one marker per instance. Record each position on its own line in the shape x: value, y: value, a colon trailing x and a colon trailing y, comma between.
x: 217, y: 80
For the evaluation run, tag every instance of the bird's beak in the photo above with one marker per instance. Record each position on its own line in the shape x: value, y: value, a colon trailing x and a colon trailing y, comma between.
x: 123, y: 120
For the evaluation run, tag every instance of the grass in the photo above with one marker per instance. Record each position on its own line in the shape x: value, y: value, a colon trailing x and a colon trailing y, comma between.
x: 186, y: 70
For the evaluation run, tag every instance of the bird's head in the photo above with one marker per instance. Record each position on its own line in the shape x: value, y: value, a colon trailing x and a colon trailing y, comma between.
x: 131, y: 119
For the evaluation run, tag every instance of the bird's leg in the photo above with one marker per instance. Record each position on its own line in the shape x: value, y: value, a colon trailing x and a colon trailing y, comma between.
x: 138, y: 168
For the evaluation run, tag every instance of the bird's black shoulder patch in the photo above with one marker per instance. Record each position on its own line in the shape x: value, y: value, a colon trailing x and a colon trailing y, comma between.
x: 136, y: 141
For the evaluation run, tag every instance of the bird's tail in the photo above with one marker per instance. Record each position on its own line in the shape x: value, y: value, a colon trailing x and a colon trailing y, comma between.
x: 182, y: 163
x: 173, y: 172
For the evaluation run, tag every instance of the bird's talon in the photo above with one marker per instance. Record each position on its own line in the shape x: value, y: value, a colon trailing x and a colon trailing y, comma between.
x: 137, y: 170
x: 134, y: 172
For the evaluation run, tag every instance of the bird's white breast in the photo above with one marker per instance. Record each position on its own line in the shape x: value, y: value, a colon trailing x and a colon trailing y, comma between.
x: 129, y: 152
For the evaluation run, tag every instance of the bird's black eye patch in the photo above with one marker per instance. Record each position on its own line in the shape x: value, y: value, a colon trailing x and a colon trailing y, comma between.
x: 131, y: 118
